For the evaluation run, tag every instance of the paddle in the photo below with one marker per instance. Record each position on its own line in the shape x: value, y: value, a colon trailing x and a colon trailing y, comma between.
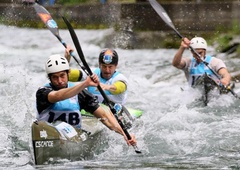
x: 163, y: 14
x: 52, y: 26
x: 109, y: 103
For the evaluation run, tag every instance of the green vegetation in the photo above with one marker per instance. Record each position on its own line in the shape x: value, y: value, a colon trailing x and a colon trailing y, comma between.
x: 225, y: 40
x: 71, y: 2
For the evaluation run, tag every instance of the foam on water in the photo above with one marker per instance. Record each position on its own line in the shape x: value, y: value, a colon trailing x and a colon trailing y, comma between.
x: 175, y: 131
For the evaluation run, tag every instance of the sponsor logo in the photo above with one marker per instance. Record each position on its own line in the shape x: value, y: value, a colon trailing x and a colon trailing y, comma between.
x: 52, y: 24
x: 43, y: 144
x: 43, y: 134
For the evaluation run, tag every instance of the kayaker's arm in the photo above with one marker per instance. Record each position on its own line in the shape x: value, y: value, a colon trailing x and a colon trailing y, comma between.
x: 110, y: 121
x: 226, y: 77
x: 67, y: 55
x: 91, y: 105
x: 65, y: 93
x: 178, y: 62
x: 107, y: 119
x: 117, y: 88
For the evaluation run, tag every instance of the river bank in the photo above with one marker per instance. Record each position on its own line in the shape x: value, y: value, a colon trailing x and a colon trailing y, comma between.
x: 137, y: 24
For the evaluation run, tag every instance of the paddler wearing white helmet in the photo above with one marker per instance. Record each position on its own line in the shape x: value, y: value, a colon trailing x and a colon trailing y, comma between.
x: 62, y: 100
x: 201, y: 63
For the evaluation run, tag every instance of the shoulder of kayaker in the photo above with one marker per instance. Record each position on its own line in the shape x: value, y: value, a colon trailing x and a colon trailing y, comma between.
x: 76, y: 75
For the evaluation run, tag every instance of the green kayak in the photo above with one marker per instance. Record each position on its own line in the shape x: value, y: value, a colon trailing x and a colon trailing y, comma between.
x: 135, y: 113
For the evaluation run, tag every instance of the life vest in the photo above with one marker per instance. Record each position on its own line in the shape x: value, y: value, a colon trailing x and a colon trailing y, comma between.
x: 120, y: 98
x: 67, y: 110
x: 196, y: 70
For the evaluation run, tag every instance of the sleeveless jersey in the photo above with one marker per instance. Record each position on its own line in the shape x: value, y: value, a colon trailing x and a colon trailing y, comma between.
x: 196, y: 70
x: 67, y: 110
x: 119, y: 98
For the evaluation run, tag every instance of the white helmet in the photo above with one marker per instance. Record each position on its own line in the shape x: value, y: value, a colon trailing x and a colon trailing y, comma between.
x: 198, y: 42
x: 56, y: 63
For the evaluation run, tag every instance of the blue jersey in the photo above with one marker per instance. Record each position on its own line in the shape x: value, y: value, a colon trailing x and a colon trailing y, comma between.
x: 196, y: 70
x: 119, y: 98
x: 67, y: 110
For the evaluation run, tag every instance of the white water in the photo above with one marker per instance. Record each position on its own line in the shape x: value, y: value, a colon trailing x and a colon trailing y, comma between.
x: 174, y: 132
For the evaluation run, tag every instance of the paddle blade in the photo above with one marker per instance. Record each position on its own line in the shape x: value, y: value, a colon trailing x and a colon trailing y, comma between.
x: 163, y: 14
x: 47, y: 19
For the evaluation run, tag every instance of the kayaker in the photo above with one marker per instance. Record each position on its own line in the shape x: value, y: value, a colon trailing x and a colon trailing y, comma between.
x: 62, y: 100
x: 112, y: 81
x: 195, y: 67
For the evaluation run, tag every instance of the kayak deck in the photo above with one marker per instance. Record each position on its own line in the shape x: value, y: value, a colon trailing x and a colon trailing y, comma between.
x: 49, y: 145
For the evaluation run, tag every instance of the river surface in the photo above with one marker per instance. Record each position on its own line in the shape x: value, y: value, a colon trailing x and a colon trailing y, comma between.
x: 175, y: 132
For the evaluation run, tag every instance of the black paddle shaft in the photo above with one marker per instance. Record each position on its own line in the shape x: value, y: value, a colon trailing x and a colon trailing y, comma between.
x: 109, y: 103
